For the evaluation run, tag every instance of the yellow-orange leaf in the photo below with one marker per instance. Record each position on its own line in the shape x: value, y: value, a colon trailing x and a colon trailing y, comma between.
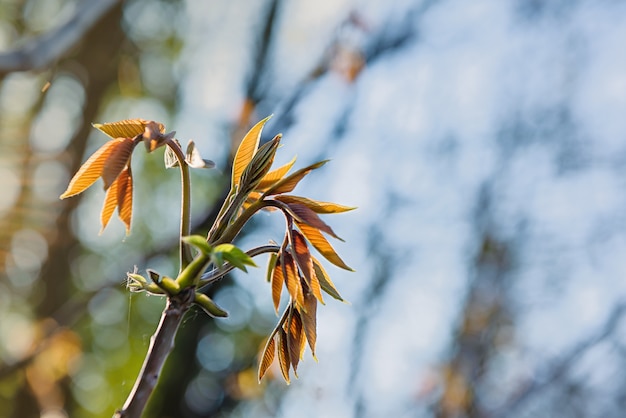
x: 321, y: 244
x: 268, y: 357
x: 314, y: 205
x: 283, y: 354
x: 91, y: 169
x: 277, y: 284
x: 117, y: 160
x: 288, y: 183
x: 309, y: 321
x: 324, y: 279
x: 125, y: 197
x: 110, y: 203
x: 246, y: 150
x: 273, y: 176
x: 305, y: 262
x: 125, y: 128
x: 291, y: 279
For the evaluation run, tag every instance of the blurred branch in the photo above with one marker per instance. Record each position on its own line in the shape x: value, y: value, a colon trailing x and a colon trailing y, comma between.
x: 562, y: 365
x: 53, y: 45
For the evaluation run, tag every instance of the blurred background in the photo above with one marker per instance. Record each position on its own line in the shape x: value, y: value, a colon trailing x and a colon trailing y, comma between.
x: 484, y: 143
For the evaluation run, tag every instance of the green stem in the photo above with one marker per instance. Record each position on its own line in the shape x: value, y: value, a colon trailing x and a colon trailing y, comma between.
x: 185, y: 212
x: 230, y: 231
x: 215, y: 275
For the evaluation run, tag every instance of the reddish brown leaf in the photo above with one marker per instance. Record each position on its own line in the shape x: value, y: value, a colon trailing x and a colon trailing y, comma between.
x: 91, y: 169
x: 273, y: 176
x: 324, y: 279
x: 246, y: 150
x: 283, y: 354
x: 296, y: 339
x: 315, y: 205
x: 268, y: 356
x: 126, y: 128
x: 321, y: 244
x: 288, y: 183
x: 125, y: 197
x: 117, y: 160
x: 277, y: 283
x: 307, y: 216
x: 303, y: 258
x: 292, y: 280
x: 309, y: 321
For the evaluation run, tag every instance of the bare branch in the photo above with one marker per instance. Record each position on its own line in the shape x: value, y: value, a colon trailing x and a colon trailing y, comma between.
x: 40, y: 52
x: 161, y: 344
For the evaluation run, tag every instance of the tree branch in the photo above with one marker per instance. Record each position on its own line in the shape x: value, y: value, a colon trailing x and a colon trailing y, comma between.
x: 161, y: 344
x: 40, y: 52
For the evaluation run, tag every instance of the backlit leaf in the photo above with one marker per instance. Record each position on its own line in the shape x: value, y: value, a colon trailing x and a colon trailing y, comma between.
x: 259, y: 166
x: 283, y: 354
x: 91, y: 169
x: 193, y: 158
x: 309, y: 321
x: 305, y: 262
x: 296, y: 339
x: 314, y: 205
x: 292, y: 279
x: 307, y: 216
x: 235, y: 256
x: 246, y: 150
x: 277, y: 280
x: 110, y: 203
x: 321, y: 244
x: 169, y: 156
x: 324, y: 279
x: 125, y: 197
x: 199, y: 242
x: 288, y: 183
x: 273, y: 176
x: 268, y: 357
x: 125, y: 128
x: 271, y: 263
x: 117, y: 160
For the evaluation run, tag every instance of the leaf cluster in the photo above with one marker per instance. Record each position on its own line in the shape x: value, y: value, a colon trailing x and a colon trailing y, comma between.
x: 255, y: 186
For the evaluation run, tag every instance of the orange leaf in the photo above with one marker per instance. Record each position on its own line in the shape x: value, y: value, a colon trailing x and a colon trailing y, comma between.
x: 307, y: 216
x: 288, y: 183
x: 128, y: 128
x: 117, y: 160
x: 314, y: 205
x: 277, y: 283
x: 291, y: 278
x: 125, y: 197
x: 246, y: 150
x: 268, y: 357
x: 110, y: 203
x: 324, y: 279
x: 91, y: 169
x: 309, y: 321
x: 321, y: 244
x: 273, y: 176
x: 303, y: 258
x: 283, y: 354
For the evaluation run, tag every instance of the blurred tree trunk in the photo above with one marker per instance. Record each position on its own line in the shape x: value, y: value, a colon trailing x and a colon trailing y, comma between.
x: 95, y: 65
